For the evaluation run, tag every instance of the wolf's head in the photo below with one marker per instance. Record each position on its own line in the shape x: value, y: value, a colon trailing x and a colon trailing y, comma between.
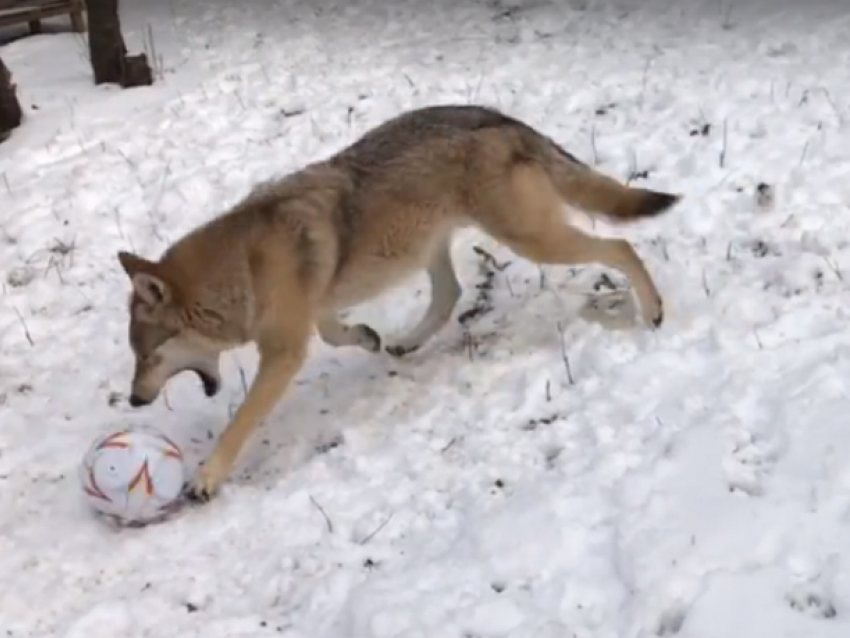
x: 163, y: 333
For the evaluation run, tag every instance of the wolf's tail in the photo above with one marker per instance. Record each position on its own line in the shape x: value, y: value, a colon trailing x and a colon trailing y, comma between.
x: 586, y: 188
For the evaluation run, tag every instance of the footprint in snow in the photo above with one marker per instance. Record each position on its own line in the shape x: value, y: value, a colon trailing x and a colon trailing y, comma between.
x: 810, y: 590
x: 754, y: 443
x: 749, y: 463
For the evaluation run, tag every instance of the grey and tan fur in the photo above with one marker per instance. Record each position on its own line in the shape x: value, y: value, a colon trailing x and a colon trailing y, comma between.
x: 296, y: 251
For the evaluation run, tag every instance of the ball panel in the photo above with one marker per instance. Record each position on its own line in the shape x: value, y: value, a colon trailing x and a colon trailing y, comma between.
x: 113, y: 467
x: 168, y: 475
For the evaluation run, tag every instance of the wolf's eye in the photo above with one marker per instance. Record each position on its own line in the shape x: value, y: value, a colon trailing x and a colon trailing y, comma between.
x: 149, y: 359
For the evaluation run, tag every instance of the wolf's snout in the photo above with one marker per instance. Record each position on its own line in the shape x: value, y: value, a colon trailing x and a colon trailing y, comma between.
x: 136, y: 401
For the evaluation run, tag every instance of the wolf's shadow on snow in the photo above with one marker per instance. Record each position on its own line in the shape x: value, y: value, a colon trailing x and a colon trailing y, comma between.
x: 329, y: 392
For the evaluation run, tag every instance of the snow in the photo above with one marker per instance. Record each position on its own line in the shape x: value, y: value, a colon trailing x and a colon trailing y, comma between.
x: 530, y: 475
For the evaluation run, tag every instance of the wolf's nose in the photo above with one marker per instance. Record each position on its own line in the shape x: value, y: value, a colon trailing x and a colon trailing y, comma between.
x: 136, y: 401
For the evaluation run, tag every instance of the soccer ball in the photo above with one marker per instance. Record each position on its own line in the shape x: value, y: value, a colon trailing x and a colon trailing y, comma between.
x: 133, y: 475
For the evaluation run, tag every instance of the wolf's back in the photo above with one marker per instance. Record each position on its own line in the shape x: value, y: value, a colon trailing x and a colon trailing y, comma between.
x: 578, y: 183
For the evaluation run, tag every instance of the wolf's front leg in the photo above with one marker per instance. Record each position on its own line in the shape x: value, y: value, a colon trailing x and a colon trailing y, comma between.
x: 445, y: 292
x: 278, y: 365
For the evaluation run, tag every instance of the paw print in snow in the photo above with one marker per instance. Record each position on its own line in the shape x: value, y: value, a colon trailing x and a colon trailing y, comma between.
x: 810, y: 591
x: 810, y: 603
x: 749, y: 463
x: 671, y: 622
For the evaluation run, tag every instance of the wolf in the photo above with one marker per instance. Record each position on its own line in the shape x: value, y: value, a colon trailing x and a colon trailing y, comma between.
x: 283, y: 262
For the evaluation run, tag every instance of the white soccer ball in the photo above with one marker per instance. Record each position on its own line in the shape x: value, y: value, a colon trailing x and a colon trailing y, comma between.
x: 133, y: 475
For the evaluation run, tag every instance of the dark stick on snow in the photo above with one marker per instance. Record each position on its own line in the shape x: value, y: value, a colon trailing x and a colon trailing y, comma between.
x: 564, y: 355
x: 378, y: 529
x: 324, y: 514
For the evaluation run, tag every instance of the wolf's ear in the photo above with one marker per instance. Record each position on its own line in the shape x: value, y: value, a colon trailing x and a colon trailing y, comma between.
x: 133, y: 263
x: 150, y: 288
x: 153, y: 290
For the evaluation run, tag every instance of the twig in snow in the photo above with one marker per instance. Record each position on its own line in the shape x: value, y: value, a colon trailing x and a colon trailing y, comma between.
x: 804, y: 153
x: 548, y: 390
x: 53, y: 263
x: 378, y: 529
x: 488, y: 267
x: 564, y: 355
x: 489, y: 260
x: 324, y: 514
x: 468, y: 343
x: 758, y: 340
x: 664, y: 251
x: 723, y: 150
x: 24, y: 324
x: 705, y: 284
x: 294, y: 111
x: 828, y: 97
x: 63, y: 248
x: 448, y: 445
x: 834, y: 269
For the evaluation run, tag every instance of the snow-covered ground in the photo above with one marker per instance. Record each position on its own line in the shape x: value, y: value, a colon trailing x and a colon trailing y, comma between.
x: 528, y: 475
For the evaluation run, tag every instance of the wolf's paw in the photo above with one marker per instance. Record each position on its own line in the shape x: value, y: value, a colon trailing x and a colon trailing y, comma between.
x: 196, y: 493
x: 367, y: 338
x: 206, y: 482
x: 653, y: 313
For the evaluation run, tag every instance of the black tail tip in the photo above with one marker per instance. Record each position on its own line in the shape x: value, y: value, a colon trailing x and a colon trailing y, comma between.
x: 655, y: 203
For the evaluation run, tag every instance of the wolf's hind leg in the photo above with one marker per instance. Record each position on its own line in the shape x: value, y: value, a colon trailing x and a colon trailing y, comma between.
x: 335, y: 333
x: 528, y: 216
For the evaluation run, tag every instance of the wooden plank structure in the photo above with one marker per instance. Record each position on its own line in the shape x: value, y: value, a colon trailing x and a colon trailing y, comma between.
x: 34, y: 11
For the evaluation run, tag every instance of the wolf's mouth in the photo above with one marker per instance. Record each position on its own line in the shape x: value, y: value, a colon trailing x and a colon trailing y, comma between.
x: 210, y: 383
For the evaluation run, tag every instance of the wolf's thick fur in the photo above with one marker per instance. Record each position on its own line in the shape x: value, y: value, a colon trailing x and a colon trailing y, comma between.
x: 299, y: 249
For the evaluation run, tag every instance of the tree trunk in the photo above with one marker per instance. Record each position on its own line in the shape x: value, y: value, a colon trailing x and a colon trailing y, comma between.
x: 10, y: 109
x: 109, y: 59
x: 106, y: 44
